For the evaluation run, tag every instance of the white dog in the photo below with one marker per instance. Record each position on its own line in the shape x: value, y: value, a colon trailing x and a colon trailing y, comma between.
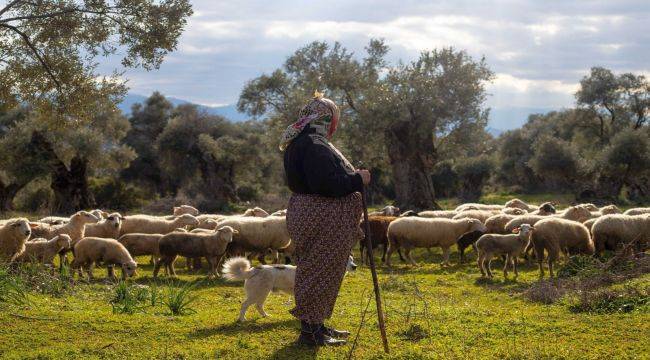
x: 262, y: 279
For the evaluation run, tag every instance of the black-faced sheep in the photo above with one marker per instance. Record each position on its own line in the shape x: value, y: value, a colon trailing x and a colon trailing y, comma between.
x: 91, y: 250
x: 511, y: 245
x: 465, y: 240
x: 417, y: 232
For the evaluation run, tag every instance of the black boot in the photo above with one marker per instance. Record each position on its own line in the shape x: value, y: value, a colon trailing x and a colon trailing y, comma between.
x: 337, y: 334
x: 315, y: 335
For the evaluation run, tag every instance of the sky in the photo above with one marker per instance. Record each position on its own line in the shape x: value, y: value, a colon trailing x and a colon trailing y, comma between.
x: 539, y: 50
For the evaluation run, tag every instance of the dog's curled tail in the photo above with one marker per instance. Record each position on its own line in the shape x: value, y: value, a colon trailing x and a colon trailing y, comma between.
x: 237, y: 269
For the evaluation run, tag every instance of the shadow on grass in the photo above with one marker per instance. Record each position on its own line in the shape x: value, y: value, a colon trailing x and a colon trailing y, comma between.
x: 294, y: 351
x: 198, y: 283
x: 237, y: 328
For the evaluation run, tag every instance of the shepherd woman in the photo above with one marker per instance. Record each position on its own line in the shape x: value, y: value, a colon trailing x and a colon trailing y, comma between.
x: 322, y: 217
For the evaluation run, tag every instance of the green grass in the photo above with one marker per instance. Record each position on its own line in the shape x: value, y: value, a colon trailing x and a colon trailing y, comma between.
x: 431, y: 312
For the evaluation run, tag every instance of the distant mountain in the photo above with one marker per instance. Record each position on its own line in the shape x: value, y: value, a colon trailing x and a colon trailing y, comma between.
x: 508, y: 118
x: 228, y: 111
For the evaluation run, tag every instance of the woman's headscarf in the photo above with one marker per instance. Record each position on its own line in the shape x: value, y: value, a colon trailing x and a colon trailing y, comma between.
x: 320, y: 114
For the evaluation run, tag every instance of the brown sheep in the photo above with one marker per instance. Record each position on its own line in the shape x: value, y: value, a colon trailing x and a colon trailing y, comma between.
x: 378, y: 234
x: 91, y: 250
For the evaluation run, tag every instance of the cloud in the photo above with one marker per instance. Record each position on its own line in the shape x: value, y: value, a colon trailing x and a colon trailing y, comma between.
x: 539, y: 50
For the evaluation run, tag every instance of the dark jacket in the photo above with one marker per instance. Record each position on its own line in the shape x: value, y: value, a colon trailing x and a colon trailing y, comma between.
x: 312, y: 167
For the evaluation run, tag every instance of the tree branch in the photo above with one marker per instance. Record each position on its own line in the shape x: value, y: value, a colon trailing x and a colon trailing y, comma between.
x: 43, y: 16
x: 9, y: 6
x: 36, y: 53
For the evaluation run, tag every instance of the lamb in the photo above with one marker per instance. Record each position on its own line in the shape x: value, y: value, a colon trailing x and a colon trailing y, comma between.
x: 386, y: 211
x: 481, y: 215
x: 417, y: 232
x: 511, y: 245
x: 146, y: 224
x: 612, y: 231
x: 496, y: 224
x: 43, y: 251
x: 378, y: 234
x: 258, y: 234
x: 108, y: 228
x: 75, y: 228
x: 91, y: 250
x: 465, y: 240
x: 447, y: 214
x: 555, y: 234
x: 13, y: 236
x: 514, y: 211
x: 475, y: 206
x: 142, y: 244
x: 212, y: 246
x: 637, y: 211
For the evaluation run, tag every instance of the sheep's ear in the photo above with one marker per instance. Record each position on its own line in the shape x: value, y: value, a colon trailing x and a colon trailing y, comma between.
x: 33, y: 226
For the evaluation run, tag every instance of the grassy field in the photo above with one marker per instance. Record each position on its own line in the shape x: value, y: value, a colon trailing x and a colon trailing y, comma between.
x: 431, y: 313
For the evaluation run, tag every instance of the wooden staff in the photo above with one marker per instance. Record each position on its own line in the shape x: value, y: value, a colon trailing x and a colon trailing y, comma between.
x: 373, y: 271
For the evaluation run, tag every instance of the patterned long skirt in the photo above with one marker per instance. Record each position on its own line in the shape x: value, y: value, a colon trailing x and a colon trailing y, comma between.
x: 324, y: 231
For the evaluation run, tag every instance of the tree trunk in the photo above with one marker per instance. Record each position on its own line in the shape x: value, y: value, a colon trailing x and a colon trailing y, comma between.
x: 410, y: 152
x: 70, y: 186
x: 219, y: 181
x: 7, y: 195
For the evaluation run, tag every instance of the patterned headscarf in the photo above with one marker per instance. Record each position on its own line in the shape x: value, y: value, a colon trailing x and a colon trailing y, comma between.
x: 320, y: 114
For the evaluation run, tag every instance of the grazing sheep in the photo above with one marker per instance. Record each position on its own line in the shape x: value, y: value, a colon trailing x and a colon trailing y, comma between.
x: 386, y: 211
x: 514, y: 211
x: 91, y: 250
x: 13, y: 236
x: 523, y: 219
x: 256, y: 212
x: 516, y: 203
x: 258, y: 234
x: 417, y: 232
x: 75, y: 228
x: 637, y: 211
x: 282, y: 212
x: 142, y: 244
x: 43, y: 251
x: 613, y: 231
x: 496, y: 224
x: 378, y: 234
x: 409, y: 213
x: 185, y: 209
x: 108, y: 228
x: 212, y: 246
x: 480, y: 215
x: 146, y: 224
x: 577, y: 213
x: 447, y: 214
x: 546, y: 208
x: 557, y: 235
x: 475, y: 206
x: 465, y: 240
x: 511, y: 245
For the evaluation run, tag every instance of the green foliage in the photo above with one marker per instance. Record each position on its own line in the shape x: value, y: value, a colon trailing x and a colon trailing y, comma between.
x: 623, y: 300
x: 12, y: 289
x: 556, y: 161
x: 129, y: 299
x: 179, y: 300
x: 473, y: 174
x: 112, y: 193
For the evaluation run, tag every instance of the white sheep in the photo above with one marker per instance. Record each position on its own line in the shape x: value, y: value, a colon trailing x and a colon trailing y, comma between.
x: 108, y: 228
x: 417, y: 232
x: 142, y: 244
x: 13, y: 236
x: 54, y: 220
x: 91, y: 250
x: 447, y: 214
x: 577, y: 213
x: 259, y: 234
x: 637, y: 211
x: 75, y: 228
x: 514, y: 211
x: 496, y: 224
x: 146, y: 224
x: 511, y: 245
x: 185, y: 209
x: 43, y: 250
x: 481, y: 215
x: 557, y: 235
x: 520, y: 204
x: 256, y: 212
x: 476, y: 206
x: 612, y: 231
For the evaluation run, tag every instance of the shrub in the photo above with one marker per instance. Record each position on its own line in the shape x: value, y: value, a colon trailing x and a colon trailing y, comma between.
x: 610, y: 301
x: 129, y: 299
x: 115, y: 194
x: 179, y: 300
x: 12, y: 289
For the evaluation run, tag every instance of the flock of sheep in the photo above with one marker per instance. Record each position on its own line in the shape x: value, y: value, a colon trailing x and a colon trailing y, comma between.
x: 510, y: 230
